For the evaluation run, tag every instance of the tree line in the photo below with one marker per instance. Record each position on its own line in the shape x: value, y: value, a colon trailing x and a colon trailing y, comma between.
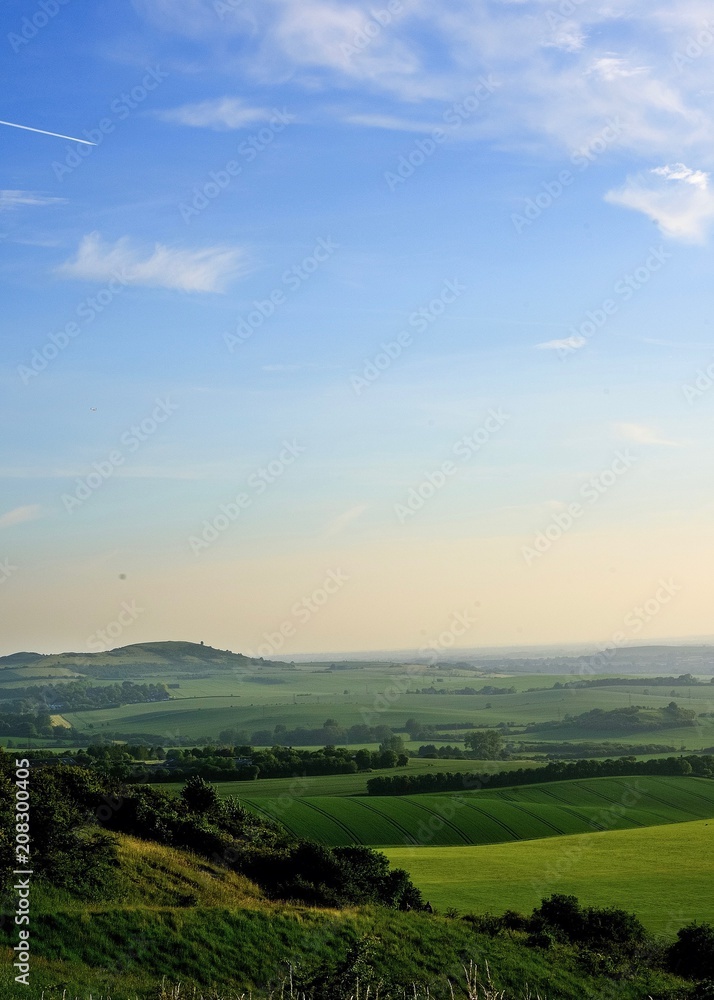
x: 414, y: 784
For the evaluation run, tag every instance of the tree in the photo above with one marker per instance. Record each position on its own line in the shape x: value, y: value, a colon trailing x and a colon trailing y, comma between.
x: 395, y: 743
x: 199, y: 795
x: 486, y: 744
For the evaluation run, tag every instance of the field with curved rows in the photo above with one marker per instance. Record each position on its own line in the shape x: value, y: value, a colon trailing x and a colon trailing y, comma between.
x: 529, y: 812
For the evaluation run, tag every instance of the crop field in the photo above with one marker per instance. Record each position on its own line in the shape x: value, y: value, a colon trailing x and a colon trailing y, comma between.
x: 664, y: 874
x: 503, y: 815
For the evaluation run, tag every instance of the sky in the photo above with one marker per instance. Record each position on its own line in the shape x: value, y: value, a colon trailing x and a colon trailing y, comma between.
x: 347, y: 326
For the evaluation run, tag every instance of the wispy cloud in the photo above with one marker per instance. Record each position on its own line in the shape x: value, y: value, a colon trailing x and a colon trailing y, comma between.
x: 607, y: 62
x: 680, y: 200
x: 573, y: 343
x: 339, y: 523
x: 301, y: 367
x: 641, y: 434
x: 390, y: 122
x: 208, y: 269
x: 10, y: 199
x: 224, y: 113
x: 20, y: 515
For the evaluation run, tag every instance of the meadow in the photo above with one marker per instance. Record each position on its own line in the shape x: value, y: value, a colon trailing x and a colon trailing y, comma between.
x: 662, y: 873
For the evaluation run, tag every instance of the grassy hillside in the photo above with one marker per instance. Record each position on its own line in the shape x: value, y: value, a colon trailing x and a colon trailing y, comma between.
x: 188, y: 920
x: 663, y: 873
x: 491, y: 816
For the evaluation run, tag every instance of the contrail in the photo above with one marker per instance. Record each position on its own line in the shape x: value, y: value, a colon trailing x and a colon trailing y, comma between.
x: 43, y: 132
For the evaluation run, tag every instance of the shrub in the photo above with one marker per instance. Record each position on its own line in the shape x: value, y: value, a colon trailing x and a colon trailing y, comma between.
x: 692, y: 954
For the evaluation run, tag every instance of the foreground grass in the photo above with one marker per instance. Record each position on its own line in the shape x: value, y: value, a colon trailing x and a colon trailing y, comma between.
x: 663, y: 874
x: 181, y: 919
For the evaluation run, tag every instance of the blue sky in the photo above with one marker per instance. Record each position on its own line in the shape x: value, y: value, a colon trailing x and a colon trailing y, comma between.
x: 331, y: 240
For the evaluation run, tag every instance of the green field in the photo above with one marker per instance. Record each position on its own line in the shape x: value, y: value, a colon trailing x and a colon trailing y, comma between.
x: 664, y: 873
x: 529, y: 812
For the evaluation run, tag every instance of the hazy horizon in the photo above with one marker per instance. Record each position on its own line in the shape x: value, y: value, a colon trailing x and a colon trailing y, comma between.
x: 454, y: 652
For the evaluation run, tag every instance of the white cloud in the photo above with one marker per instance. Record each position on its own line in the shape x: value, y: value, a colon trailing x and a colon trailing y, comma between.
x: 20, y: 199
x: 20, y: 515
x: 640, y: 434
x: 563, y: 77
x: 222, y: 113
x: 573, y: 343
x: 208, y: 269
x: 679, y: 199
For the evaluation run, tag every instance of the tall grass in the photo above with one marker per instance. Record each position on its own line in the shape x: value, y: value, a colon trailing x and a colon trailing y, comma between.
x: 473, y: 987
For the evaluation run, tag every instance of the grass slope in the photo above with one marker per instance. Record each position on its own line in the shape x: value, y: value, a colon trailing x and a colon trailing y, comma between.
x: 664, y: 874
x: 188, y: 920
x: 529, y: 812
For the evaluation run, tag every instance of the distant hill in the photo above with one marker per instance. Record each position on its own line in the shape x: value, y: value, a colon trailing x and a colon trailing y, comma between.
x: 633, y: 719
x: 138, y: 660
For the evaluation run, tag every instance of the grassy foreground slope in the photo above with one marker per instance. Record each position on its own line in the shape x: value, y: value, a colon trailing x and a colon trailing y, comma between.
x: 664, y: 874
x: 191, y: 921
x: 529, y: 812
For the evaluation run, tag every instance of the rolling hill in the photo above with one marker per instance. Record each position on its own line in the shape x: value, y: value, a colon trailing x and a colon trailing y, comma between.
x: 136, y: 660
